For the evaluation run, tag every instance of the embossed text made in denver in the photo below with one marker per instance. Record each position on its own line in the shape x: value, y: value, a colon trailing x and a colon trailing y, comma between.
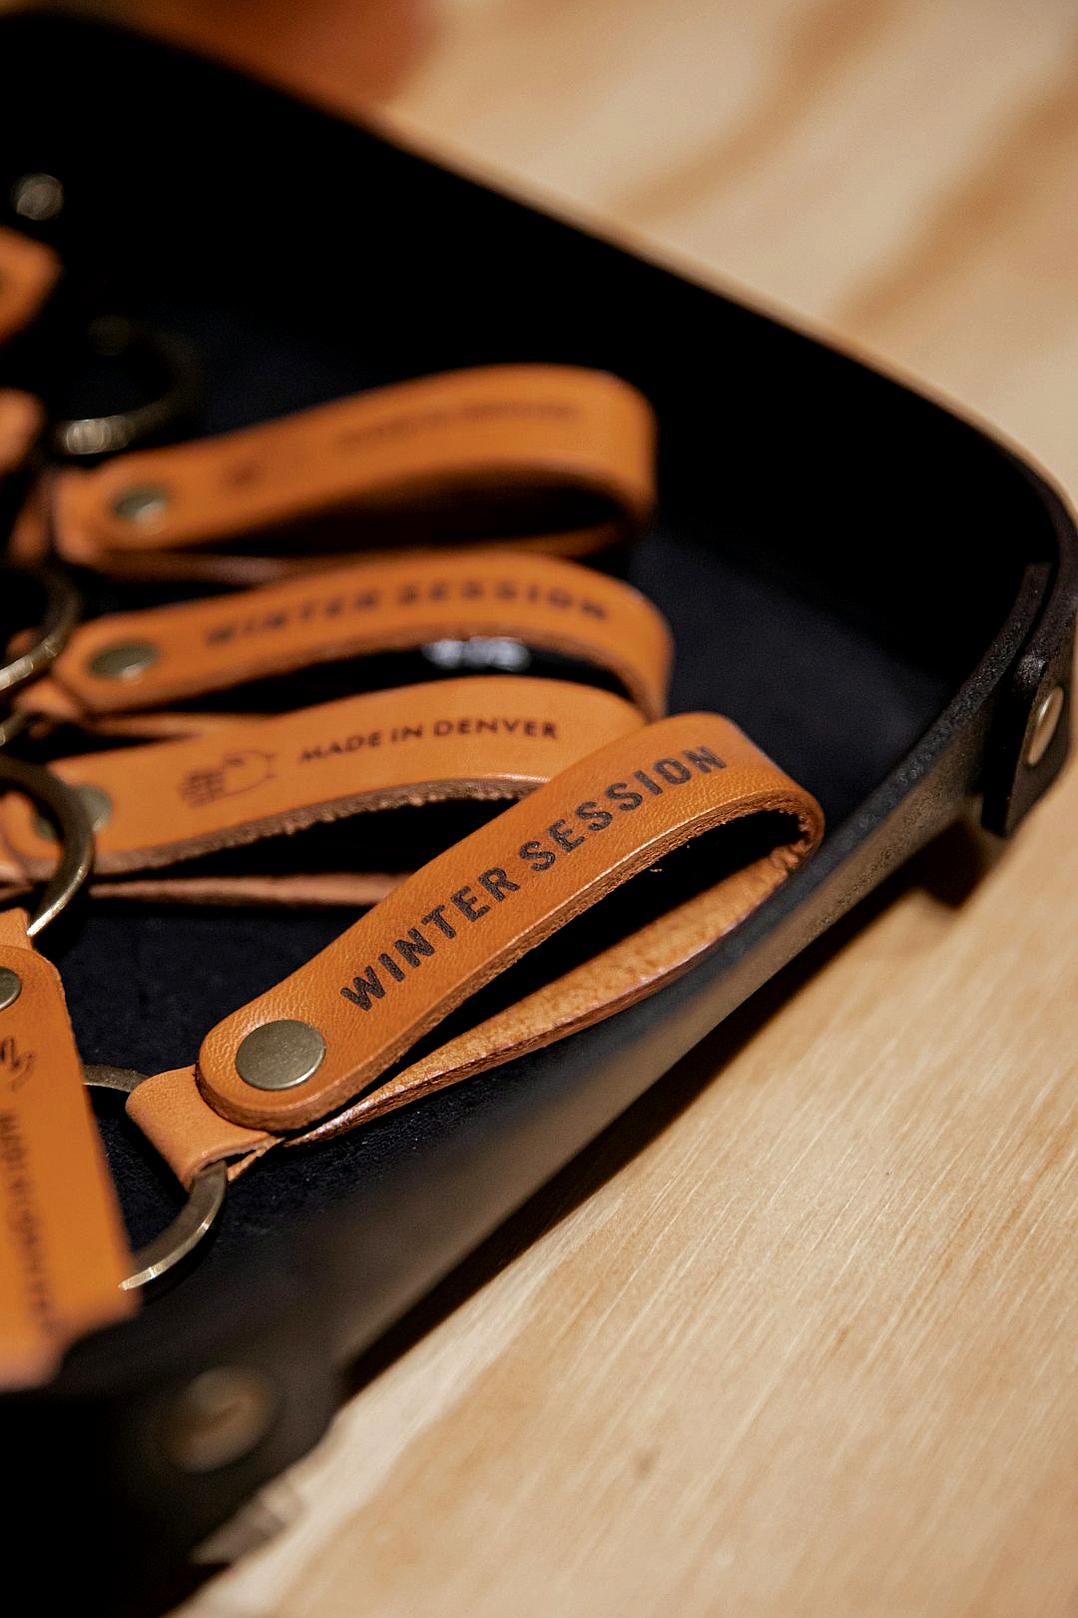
x: 545, y: 730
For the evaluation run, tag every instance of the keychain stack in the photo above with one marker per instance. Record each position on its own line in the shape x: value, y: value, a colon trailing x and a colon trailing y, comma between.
x: 375, y: 655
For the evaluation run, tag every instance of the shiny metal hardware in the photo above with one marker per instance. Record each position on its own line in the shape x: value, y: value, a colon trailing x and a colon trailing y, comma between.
x: 124, y: 660
x: 113, y: 337
x: 218, y: 1417
x: 280, y: 1055
x: 10, y: 987
x: 96, y: 803
x: 59, y: 617
x: 63, y: 806
x: 13, y: 724
x: 1045, y: 725
x: 196, y: 1217
x: 143, y: 504
x: 37, y: 197
x: 58, y: 620
x: 479, y: 652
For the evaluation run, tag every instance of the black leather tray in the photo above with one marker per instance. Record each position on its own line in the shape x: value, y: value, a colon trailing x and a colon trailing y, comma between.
x: 876, y: 591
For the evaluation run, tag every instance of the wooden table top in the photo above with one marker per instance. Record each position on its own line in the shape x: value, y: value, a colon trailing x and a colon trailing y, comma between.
x: 801, y: 1338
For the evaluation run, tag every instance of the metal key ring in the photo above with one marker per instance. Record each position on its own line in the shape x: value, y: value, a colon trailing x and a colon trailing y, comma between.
x: 74, y: 437
x: 76, y: 835
x: 58, y: 621
x: 196, y: 1217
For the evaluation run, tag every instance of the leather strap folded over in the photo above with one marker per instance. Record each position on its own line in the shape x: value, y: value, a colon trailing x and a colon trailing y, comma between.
x: 28, y: 273
x: 479, y: 739
x: 473, y: 912
x: 498, y: 451
x: 63, y: 1253
x: 396, y: 604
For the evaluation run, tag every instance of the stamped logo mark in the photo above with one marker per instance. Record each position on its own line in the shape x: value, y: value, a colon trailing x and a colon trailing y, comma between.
x: 233, y: 773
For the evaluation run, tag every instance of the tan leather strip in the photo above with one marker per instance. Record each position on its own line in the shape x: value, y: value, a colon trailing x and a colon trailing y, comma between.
x: 473, y: 911
x: 248, y: 570
x: 189, y: 1134
x: 63, y: 1253
x: 21, y: 420
x: 482, y: 738
x: 157, y: 725
x: 28, y: 542
x: 401, y: 458
x: 611, y: 981
x: 28, y: 273
x: 356, y: 889
x: 401, y: 603
x: 173, y: 1116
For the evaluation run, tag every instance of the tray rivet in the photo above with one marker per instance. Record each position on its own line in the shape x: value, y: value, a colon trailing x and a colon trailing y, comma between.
x: 123, y: 660
x: 144, y: 504
x: 280, y: 1054
x: 1045, y: 725
x: 218, y: 1417
x: 37, y: 197
x: 10, y: 987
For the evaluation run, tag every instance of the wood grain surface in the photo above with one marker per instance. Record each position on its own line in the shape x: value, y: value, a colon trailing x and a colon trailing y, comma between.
x: 799, y: 1337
